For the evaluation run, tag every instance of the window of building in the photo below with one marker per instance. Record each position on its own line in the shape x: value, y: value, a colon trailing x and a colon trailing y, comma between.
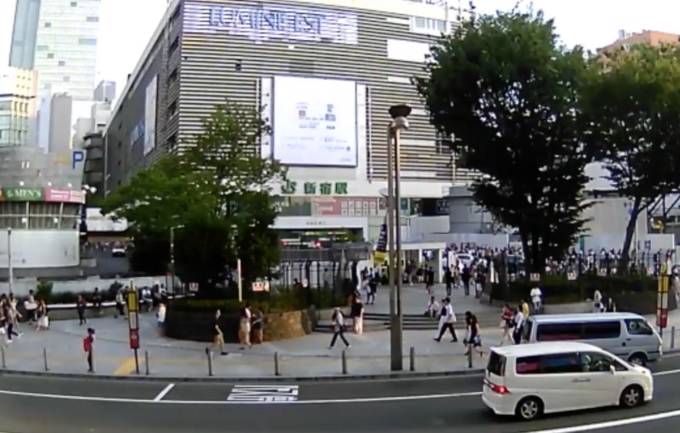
x: 173, y: 46
x: 74, y: 4
x: 48, y: 24
x: 172, y: 109
x: 42, y: 48
x: 62, y: 63
x: 427, y: 25
x: 67, y: 79
x: 92, y: 19
x: 173, y: 76
x: 50, y: 55
x: 87, y: 41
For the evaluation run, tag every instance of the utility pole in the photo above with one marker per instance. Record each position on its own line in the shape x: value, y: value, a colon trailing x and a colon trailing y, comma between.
x: 10, y: 268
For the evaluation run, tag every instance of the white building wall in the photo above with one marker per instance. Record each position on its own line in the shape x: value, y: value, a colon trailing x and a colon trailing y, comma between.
x: 29, y: 248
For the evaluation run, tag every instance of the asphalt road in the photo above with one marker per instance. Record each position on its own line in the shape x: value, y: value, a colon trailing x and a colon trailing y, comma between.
x: 444, y: 404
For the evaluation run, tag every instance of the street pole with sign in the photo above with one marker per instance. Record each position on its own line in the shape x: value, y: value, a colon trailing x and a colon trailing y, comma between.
x: 662, y: 298
x: 240, y: 280
x: 133, y: 322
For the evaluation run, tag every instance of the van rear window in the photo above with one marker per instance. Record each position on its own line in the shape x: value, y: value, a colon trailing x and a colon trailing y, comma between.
x: 496, y: 364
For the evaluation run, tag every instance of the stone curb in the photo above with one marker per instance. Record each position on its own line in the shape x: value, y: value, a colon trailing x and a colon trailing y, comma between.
x: 348, y: 377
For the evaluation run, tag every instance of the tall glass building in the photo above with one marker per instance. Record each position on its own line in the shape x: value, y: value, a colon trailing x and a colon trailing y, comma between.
x: 58, y: 38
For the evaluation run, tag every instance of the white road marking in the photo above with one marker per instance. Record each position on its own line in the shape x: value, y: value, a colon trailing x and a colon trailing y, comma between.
x: 227, y: 402
x: 664, y: 373
x: 612, y: 424
x: 164, y: 392
x: 264, y: 393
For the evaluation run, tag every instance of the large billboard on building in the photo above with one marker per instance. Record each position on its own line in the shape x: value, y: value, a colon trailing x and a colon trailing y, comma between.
x: 315, y: 122
x: 150, y: 115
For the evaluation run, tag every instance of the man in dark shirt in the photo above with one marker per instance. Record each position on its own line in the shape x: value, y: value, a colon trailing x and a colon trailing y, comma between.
x: 218, y: 336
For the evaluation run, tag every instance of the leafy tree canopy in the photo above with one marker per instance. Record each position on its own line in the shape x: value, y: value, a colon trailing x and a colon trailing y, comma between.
x: 508, y: 94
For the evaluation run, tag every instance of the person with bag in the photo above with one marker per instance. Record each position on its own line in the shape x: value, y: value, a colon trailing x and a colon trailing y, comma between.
x: 446, y: 321
x: 88, y: 347
x: 473, y: 341
x: 518, y: 320
x: 338, y: 328
x: 507, y: 324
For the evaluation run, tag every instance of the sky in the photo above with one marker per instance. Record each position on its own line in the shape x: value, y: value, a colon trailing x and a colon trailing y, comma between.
x: 127, y: 25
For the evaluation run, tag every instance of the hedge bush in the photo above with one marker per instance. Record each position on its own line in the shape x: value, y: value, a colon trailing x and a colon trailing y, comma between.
x: 558, y: 289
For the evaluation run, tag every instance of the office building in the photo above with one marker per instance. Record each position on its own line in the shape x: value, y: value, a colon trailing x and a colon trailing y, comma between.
x: 105, y: 92
x: 625, y: 39
x: 65, y: 48
x: 17, y: 107
x: 342, y: 62
x: 22, y: 48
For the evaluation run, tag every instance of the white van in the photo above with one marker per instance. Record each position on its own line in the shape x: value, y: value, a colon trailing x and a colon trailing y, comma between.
x: 529, y: 380
x: 627, y: 335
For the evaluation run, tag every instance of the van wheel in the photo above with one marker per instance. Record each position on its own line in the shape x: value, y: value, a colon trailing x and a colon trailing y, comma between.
x: 632, y: 396
x: 638, y: 359
x: 530, y: 408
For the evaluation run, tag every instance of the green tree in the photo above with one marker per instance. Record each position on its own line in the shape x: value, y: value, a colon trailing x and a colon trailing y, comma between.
x: 217, y: 193
x: 507, y: 93
x: 633, y: 105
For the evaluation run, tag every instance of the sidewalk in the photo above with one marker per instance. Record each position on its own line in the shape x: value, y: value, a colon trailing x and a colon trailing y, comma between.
x: 300, y: 357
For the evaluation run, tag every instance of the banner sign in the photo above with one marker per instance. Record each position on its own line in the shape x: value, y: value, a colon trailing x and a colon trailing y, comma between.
x: 64, y: 196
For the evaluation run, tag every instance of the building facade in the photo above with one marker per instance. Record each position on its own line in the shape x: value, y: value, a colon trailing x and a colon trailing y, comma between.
x: 22, y: 48
x: 324, y: 72
x: 17, y: 106
x: 41, y: 201
x: 105, y: 92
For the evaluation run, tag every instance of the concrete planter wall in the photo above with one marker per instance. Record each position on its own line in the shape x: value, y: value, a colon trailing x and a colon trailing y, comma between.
x: 197, y: 325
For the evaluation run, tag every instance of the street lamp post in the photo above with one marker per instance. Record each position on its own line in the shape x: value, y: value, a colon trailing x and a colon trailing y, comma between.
x: 399, y: 122
x: 172, y: 256
x: 10, y: 269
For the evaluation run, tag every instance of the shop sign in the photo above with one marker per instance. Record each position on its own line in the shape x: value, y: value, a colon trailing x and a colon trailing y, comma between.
x: 316, y: 188
x: 22, y: 194
x: 64, y: 196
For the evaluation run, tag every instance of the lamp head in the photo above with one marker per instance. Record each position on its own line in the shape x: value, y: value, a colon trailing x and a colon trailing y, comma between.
x: 401, y: 110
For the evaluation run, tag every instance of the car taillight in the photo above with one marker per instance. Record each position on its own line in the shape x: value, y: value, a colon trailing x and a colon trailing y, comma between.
x: 499, y: 389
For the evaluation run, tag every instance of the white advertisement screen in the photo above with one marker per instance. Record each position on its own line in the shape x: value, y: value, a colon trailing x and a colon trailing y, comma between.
x: 315, y: 122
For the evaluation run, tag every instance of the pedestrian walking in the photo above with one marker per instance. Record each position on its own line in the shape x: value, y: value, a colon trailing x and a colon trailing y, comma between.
x: 429, y: 275
x: 448, y: 279
x: 357, y: 312
x: 120, y: 304
x: 81, y: 306
x: 88, y: 347
x: 466, y: 276
x: 43, y: 322
x: 446, y: 320
x: 598, y: 306
x: 338, y: 328
x: 97, y: 301
x: 258, y: 326
x: 480, y: 280
x: 30, y: 306
x: 473, y: 340
x: 373, y: 289
x: 524, y: 308
x: 507, y: 324
x: 536, y: 296
x: 518, y: 325
x: 245, y: 323
x: 218, y: 335
x: 15, y: 315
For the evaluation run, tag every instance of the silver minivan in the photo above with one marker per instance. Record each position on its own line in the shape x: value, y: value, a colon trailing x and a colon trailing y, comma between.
x: 627, y: 335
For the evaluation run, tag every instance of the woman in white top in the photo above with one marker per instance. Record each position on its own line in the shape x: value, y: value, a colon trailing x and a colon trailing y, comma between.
x: 244, y: 326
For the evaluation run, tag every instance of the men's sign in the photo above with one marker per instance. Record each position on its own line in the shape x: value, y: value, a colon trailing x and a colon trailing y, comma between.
x: 22, y: 194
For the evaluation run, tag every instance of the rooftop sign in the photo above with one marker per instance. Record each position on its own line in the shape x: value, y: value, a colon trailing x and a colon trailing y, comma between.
x: 267, y: 23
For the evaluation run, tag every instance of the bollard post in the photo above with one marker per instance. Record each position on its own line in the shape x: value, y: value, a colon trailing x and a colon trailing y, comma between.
x: 209, y: 355
x: 344, y: 362
x: 469, y: 357
x: 146, y: 361
x: 672, y: 337
x: 2, y: 353
x: 45, y: 358
x: 412, y: 363
x: 276, y: 364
